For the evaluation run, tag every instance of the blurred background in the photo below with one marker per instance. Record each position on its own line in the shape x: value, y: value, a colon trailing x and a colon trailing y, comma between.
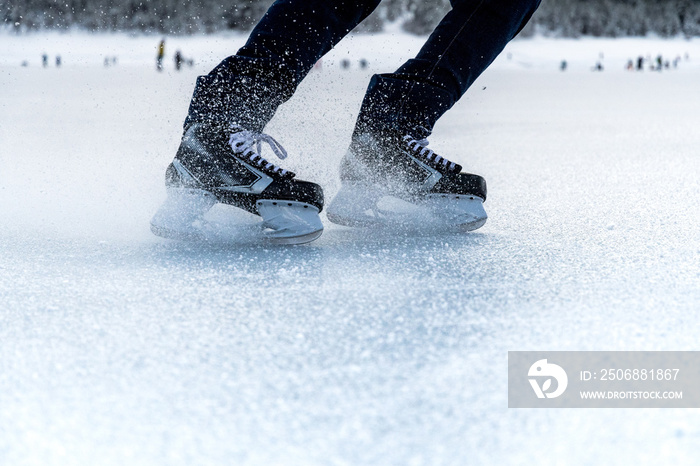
x: 562, y: 18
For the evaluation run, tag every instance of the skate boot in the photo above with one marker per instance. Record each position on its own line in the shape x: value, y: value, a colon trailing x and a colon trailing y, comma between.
x: 223, y: 164
x: 395, y: 180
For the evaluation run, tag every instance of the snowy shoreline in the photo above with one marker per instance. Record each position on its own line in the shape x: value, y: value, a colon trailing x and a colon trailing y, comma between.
x: 84, y: 49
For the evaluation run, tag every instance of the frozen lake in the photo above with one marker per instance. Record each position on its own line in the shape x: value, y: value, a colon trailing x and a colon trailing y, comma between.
x: 117, y: 347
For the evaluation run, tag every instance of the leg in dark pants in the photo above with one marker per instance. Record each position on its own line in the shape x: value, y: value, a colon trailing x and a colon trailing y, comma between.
x: 462, y: 46
x: 248, y: 87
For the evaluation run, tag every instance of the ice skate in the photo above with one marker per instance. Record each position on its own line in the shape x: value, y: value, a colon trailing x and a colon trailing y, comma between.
x: 397, y: 181
x: 220, y: 164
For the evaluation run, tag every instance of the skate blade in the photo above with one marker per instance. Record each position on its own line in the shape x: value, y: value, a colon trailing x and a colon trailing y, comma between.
x: 359, y: 207
x: 289, y: 222
x: 194, y: 215
x: 463, y: 212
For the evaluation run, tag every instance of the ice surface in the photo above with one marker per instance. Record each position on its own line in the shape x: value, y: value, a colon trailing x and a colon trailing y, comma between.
x: 117, y: 347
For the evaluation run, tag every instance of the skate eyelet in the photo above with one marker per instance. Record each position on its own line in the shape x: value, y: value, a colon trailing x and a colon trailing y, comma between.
x: 274, y: 203
x: 289, y: 204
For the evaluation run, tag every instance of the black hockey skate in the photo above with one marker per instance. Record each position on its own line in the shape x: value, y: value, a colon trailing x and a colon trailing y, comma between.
x: 395, y: 180
x: 223, y: 164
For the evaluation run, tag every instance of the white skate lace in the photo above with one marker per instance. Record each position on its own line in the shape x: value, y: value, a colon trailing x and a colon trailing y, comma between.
x: 419, y: 147
x: 248, y: 144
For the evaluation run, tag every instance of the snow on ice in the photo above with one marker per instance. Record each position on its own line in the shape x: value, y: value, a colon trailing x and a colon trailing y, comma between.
x: 117, y: 347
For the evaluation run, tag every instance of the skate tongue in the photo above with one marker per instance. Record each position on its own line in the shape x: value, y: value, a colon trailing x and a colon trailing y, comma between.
x: 419, y: 147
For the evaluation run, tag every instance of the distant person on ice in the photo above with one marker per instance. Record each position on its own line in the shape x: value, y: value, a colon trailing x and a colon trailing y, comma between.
x: 219, y: 158
x: 178, y: 60
x: 160, y: 55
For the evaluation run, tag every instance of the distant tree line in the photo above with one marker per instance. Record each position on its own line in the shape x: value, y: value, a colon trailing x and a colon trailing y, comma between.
x: 566, y: 18
x: 618, y: 18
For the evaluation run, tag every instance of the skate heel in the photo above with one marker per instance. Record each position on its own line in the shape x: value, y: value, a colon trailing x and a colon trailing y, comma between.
x: 355, y: 205
x: 289, y: 222
x: 180, y: 216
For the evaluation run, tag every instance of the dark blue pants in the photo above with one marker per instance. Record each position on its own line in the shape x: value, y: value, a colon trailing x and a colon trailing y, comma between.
x: 248, y: 87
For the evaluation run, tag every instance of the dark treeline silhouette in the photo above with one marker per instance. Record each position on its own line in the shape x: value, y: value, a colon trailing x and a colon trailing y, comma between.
x: 566, y: 18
